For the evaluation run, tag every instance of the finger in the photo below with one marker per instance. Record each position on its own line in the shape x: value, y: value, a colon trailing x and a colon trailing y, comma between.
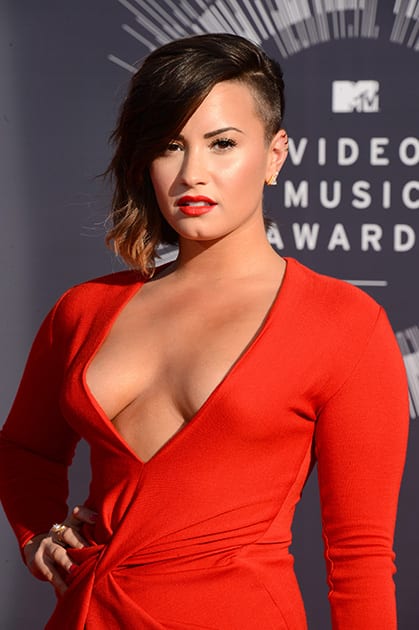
x: 67, y: 536
x: 54, y: 577
x: 57, y: 555
x: 72, y: 538
x: 84, y: 515
x: 49, y: 561
x: 56, y: 533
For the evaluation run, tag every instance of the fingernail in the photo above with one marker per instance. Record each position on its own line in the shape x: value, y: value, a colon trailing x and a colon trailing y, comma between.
x: 94, y: 517
x: 72, y: 569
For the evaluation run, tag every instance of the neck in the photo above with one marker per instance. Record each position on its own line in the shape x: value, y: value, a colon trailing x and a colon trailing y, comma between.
x: 239, y: 254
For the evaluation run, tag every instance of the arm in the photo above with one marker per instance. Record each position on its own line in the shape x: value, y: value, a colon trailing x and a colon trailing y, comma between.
x: 36, y: 443
x: 360, y: 447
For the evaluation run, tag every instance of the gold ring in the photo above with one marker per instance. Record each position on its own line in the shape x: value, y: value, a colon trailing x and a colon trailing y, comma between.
x: 57, y: 531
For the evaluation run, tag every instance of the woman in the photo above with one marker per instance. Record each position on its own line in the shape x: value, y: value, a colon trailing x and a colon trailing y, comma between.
x: 207, y: 388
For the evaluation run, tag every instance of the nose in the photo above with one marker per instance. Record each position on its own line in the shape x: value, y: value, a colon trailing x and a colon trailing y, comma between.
x: 194, y: 168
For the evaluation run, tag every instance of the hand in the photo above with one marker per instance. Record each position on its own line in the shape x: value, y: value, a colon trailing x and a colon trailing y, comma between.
x: 46, y: 555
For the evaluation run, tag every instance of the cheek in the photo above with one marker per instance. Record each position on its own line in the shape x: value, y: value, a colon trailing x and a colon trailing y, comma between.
x: 246, y: 173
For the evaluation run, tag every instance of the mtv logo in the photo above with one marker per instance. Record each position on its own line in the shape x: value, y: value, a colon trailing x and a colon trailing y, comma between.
x: 355, y: 96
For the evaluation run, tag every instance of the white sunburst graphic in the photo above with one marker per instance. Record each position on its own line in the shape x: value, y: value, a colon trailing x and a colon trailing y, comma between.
x: 292, y: 25
x: 409, y: 345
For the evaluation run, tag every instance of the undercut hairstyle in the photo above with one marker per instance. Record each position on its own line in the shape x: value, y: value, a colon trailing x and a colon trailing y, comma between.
x: 163, y: 94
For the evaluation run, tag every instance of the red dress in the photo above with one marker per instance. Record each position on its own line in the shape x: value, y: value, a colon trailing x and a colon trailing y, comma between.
x: 198, y: 536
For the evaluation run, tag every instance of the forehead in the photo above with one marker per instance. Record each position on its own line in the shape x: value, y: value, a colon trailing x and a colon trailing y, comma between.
x: 228, y: 102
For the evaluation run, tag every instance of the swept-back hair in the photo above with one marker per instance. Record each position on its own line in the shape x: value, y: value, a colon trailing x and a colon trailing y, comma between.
x: 163, y: 94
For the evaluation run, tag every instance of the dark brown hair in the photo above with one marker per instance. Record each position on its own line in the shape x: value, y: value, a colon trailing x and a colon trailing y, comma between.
x: 163, y: 94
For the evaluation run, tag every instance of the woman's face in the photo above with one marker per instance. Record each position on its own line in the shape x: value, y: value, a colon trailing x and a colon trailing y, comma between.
x: 209, y: 181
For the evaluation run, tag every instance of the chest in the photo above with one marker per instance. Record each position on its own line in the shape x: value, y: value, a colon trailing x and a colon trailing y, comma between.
x: 155, y: 365
x: 174, y: 349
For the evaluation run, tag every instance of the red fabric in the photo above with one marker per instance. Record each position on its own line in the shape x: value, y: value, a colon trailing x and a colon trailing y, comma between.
x: 198, y: 536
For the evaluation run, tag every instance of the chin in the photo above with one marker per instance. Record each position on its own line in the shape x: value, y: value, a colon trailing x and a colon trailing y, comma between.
x: 201, y: 237
x: 200, y: 234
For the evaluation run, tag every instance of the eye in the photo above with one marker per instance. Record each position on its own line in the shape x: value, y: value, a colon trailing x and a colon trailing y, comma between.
x: 223, y: 144
x: 174, y: 146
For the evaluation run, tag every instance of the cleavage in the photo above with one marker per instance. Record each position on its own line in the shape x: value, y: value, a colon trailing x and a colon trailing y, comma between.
x: 160, y: 362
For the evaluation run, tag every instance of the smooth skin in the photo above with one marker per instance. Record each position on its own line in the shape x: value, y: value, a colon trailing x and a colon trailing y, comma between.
x: 181, y: 333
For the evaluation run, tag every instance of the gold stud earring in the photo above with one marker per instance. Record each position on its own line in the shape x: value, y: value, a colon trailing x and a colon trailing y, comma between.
x: 272, y: 181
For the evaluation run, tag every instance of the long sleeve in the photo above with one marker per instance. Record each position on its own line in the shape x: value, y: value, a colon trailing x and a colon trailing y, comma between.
x: 36, y: 443
x: 325, y: 364
x: 360, y: 447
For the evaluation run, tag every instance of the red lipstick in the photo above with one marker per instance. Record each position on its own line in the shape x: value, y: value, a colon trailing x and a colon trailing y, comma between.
x: 195, y: 206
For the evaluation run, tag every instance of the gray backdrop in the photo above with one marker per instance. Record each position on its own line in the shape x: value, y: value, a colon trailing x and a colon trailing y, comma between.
x: 347, y: 203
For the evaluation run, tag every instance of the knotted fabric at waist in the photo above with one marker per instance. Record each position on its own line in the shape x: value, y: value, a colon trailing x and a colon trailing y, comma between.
x: 168, y: 556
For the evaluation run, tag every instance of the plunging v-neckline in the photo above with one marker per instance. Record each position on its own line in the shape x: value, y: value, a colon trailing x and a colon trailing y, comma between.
x: 186, y: 427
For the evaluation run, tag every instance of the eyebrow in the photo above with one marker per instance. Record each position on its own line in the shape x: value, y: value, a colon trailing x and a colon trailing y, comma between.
x: 211, y: 134
x: 216, y: 132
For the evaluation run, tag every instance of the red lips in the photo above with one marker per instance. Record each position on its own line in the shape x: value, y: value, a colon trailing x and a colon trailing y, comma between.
x: 195, y: 206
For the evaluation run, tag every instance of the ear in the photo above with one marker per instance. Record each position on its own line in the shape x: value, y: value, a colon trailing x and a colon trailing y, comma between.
x: 278, y: 151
